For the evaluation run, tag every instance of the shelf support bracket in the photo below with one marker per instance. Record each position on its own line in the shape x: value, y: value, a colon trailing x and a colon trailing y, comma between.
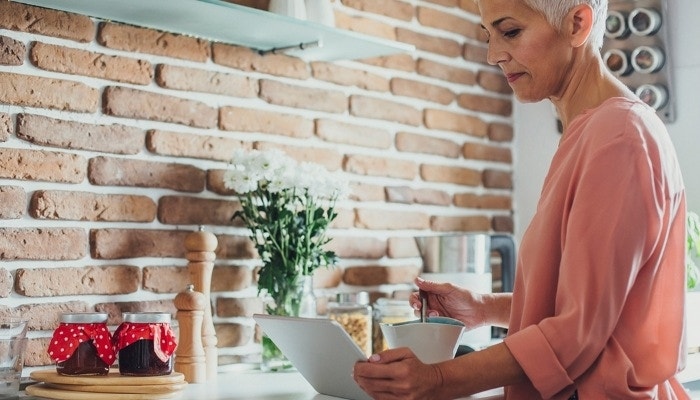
x: 300, y: 46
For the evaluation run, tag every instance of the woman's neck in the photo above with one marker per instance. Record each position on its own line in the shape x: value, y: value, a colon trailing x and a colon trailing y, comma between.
x: 589, y: 85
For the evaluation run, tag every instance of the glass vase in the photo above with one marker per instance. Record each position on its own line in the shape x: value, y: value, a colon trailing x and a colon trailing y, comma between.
x: 299, y: 302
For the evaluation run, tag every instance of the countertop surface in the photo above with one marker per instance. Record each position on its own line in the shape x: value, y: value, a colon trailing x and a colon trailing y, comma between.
x: 256, y: 385
x: 268, y: 386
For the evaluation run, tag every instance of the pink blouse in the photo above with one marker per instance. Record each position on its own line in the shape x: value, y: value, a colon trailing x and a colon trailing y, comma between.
x: 598, y: 302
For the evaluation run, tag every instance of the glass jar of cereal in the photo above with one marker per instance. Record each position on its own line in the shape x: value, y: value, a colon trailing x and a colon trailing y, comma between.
x: 353, y: 312
x: 388, y: 311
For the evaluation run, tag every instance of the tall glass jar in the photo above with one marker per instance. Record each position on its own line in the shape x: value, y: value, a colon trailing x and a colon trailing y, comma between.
x: 353, y: 312
x: 82, y: 345
x: 145, y: 343
x: 388, y: 311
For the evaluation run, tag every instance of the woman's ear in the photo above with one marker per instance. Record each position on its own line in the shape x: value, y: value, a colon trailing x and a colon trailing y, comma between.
x: 579, y: 23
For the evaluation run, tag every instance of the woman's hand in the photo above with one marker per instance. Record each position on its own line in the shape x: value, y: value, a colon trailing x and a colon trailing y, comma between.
x: 397, y: 374
x: 474, y: 309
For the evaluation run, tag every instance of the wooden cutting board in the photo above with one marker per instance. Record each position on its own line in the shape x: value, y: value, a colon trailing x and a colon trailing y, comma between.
x: 109, y: 387
x: 43, y: 390
x: 111, y: 379
x: 135, y: 389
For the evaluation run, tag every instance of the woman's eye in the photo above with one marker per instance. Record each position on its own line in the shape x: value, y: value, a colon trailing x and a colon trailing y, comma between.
x: 511, y: 33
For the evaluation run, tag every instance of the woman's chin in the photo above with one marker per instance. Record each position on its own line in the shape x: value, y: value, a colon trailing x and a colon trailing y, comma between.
x: 527, y: 97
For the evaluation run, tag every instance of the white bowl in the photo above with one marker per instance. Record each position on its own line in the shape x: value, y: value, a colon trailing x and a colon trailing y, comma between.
x: 432, y: 342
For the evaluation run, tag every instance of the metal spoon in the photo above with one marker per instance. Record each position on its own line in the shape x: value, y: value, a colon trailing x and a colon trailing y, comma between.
x: 424, y: 306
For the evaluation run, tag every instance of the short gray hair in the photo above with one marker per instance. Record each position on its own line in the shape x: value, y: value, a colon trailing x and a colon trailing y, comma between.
x: 555, y: 11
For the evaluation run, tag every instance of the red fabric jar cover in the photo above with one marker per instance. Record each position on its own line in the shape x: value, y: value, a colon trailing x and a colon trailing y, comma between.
x: 68, y: 336
x: 164, y: 342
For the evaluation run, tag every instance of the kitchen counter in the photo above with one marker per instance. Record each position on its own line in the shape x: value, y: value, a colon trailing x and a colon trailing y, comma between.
x: 256, y: 385
x: 270, y: 386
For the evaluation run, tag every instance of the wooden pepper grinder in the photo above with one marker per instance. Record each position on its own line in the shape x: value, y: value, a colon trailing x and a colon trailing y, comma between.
x: 190, y: 359
x: 200, y: 247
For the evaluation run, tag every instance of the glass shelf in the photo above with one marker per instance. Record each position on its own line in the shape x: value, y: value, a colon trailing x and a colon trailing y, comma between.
x: 220, y: 21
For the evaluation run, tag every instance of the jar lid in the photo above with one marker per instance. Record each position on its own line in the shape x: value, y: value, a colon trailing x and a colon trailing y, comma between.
x: 147, y: 317
x: 616, y: 61
x: 354, y: 298
x: 655, y: 96
x: 83, y: 318
x: 647, y: 59
x: 393, y: 306
x: 386, y: 302
x: 616, y: 25
x: 644, y: 21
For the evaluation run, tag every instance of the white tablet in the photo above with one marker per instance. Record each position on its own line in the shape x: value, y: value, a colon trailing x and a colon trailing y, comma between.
x: 320, y: 349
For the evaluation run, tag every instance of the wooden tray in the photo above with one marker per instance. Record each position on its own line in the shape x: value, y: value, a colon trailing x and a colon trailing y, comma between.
x: 111, y: 386
x: 134, y: 389
x: 43, y: 390
x: 112, y: 379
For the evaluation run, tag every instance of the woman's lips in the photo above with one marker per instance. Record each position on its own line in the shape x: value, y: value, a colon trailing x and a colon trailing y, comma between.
x: 513, y: 77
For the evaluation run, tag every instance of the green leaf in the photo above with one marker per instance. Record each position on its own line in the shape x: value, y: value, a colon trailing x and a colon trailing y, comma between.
x: 693, y: 249
x: 693, y: 274
x: 693, y: 229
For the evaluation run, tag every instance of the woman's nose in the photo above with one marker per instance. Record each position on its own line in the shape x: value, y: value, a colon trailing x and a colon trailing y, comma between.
x: 495, y: 55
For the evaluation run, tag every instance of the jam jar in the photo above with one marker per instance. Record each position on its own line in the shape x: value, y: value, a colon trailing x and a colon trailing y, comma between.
x: 82, y: 345
x: 146, y: 343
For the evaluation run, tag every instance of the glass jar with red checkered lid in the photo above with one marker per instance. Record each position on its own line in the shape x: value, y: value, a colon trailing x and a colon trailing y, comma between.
x: 82, y: 345
x: 145, y: 343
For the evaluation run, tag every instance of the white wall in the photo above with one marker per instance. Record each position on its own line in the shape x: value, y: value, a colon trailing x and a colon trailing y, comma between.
x: 536, y: 136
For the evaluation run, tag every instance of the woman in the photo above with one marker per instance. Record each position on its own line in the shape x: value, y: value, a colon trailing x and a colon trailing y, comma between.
x: 597, y: 311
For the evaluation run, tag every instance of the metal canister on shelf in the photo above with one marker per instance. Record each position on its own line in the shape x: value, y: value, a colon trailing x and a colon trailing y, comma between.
x: 616, y: 26
x: 617, y: 62
x: 82, y: 345
x: 145, y: 342
x: 388, y: 311
x: 644, y: 21
x: 647, y: 59
x: 353, y: 312
x: 655, y: 95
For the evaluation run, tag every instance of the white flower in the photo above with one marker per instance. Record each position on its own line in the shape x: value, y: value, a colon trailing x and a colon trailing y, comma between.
x: 274, y: 171
x: 282, y: 178
x: 267, y: 163
x: 240, y: 180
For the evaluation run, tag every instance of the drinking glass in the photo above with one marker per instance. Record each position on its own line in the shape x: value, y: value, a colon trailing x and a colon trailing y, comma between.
x: 12, y: 327
x: 11, y: 363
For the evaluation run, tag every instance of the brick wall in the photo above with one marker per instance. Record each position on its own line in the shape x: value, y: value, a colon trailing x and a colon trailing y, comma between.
x: 113, y: 140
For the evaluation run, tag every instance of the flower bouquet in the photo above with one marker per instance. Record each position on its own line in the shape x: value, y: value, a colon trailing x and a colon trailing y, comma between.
x: 287, y: 206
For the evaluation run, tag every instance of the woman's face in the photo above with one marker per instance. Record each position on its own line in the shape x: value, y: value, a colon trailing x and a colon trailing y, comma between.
x: 534, y: 57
